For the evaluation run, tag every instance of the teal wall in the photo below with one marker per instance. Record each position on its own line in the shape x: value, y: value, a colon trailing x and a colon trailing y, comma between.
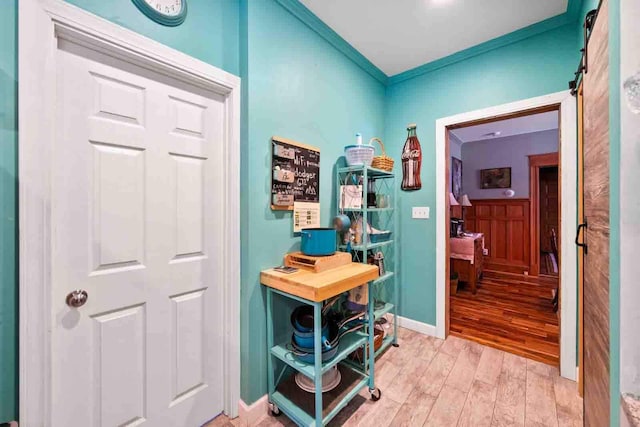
x: 302, y: 88
x: 210, y: 32
x: 532, y: 67
x: 614, y: 208
x: 8, y: 210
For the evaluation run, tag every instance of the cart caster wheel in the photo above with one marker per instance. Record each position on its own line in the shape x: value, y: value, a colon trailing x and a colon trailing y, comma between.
x: 395, y: 344
x: 275, y: 411
x: 376, y: 394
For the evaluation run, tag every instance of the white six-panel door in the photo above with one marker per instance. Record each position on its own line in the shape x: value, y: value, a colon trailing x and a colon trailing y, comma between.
x: 136, y: 217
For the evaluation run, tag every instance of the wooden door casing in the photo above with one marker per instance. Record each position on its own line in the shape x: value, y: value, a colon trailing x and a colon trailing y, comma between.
x: 505, y: 224
x: 596, y: 211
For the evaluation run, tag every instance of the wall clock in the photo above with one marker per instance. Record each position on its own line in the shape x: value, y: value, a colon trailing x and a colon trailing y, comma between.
x: 166, y: 12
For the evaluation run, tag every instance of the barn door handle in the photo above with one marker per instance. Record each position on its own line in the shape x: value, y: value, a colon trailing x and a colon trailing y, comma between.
x: 578, y: 243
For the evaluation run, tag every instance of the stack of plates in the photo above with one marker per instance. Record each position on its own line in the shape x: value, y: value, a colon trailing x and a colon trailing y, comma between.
x: 330, y: 380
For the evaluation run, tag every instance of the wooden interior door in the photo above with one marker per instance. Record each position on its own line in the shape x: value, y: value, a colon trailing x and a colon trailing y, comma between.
x: 537, y: 162
x: 136, y: 202
x: 596, y: 212
x: 549, y: 218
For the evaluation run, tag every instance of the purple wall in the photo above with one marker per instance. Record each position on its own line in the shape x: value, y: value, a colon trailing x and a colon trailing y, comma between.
x: 511, y: 151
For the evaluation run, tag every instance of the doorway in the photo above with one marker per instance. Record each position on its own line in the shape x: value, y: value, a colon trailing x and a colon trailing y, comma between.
x: 495, y: 297
x: 564, y: 104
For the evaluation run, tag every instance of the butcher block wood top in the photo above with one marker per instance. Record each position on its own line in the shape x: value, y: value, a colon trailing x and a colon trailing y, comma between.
x: 320, y: 286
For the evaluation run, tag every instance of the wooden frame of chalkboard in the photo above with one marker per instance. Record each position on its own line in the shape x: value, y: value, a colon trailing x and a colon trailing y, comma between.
x: 295, y: 173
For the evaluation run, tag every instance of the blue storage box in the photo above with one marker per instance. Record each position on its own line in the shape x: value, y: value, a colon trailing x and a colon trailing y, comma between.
x: 379, y: 237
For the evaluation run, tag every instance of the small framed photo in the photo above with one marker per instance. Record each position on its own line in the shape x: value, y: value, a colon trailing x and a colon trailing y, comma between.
x: 495, y: 178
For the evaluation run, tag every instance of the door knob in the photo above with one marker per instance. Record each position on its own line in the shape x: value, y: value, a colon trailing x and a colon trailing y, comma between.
x: 77, y: 298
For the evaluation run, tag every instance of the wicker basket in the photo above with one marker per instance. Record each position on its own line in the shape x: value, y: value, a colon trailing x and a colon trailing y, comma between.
x: 378, y: 337
x: 383, y: 162
x: 453, y: 283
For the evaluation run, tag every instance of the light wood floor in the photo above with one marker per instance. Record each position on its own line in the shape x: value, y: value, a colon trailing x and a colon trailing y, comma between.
x: 431, y: 382
x: 511, y: 312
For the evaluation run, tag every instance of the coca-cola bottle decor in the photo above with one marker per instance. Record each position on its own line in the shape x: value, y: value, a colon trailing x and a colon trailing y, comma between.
x: 411, y: 161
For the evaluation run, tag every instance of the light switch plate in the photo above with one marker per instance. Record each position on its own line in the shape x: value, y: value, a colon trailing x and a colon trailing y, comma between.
x: 420, y: 212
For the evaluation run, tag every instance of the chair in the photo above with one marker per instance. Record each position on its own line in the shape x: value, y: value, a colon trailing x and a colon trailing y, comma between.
x: 554, y: 253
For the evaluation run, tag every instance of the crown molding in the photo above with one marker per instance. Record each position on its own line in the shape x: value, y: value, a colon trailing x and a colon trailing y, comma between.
x: 300, y: 11
x: 573, y: 10
x: 507, y: 39
x: 307, y: 17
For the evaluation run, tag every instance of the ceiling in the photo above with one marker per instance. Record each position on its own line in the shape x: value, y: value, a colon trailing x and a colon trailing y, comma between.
x: 509, y: 127
x: 398, y: 35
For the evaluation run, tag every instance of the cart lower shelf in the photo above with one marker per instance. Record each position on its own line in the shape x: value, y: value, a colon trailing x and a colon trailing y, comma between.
x: 359, y: 364
x: 299, y: 405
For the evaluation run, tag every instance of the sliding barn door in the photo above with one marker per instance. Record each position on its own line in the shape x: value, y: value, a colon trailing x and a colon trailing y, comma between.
x: 579, y: 96
x: 596, y: 212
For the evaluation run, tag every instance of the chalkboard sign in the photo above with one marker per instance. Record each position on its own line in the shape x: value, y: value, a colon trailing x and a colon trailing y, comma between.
x: 295, y: 173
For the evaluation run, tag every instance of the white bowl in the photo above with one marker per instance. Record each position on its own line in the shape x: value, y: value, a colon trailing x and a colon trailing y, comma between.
x: 330, y: 380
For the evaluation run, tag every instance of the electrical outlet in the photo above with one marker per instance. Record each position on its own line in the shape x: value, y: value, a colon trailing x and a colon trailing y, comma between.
x: 485, y: 251
x: 420, y: 212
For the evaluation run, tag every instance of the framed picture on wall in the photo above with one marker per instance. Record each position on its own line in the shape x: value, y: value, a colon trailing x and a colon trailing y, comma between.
x: 456, y: 177
x: 495, y: 178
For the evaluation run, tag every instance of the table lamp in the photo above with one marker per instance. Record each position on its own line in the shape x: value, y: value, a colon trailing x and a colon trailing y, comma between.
x: 466, y: 203
x: 452, y: 200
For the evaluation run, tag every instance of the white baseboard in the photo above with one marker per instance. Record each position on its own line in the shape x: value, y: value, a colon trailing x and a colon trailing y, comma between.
x: 252, y: 414
x: 624, y: 420
x: 414, y: 325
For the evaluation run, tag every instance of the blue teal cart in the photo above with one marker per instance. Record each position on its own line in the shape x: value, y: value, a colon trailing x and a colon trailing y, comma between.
x: 313, y: 289
x: 382, y: 216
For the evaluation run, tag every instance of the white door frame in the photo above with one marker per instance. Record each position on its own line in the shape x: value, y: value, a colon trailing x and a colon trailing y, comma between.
x: 41, y: 24
x: 569, y: 188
